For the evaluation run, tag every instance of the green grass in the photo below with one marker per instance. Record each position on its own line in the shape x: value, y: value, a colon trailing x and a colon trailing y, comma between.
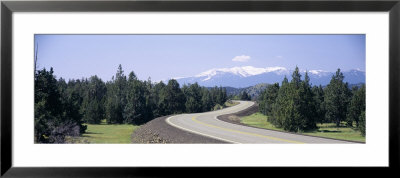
x: 230, y: 103
x: 107, y: 133
x: 328, y: 130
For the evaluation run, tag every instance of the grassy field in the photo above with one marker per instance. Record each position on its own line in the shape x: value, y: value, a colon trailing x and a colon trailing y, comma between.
x: 328, y: 130
x: 107, y: 133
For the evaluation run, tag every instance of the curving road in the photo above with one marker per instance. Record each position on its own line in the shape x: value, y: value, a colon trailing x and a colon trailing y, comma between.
x: 208, y: 125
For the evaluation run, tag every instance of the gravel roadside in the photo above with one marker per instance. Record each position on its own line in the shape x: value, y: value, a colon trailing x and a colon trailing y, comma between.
x: 159, y: 131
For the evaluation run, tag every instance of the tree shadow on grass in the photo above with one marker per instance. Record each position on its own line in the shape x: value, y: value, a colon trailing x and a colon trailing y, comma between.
x: 323, y: 130
x: 329, y: 131
x: 92, y: 133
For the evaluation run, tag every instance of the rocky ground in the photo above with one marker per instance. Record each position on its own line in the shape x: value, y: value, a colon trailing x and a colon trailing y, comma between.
x: 158, y: 131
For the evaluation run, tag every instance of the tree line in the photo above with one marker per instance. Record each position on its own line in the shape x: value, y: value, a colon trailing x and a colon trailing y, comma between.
x: 62, y: 108
x: 241, y: 96
x: 297, y: 106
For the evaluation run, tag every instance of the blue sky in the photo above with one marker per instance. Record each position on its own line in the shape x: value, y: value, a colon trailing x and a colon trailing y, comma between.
x: 165, y: 56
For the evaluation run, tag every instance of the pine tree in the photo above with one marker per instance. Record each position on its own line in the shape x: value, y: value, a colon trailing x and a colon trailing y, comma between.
x: 268, y: 98
x: 319, y: 102
x: 93, y: 102
x: 294, y: 121
x: 173, y: 98
x: 193, y: 98
x: 111, y: 104
x: 134, y: 110
x: 214, y: 95
x: 224, y: 95
x: 244, y: 96
x: 159, y: 92
x: 336, y: 99
x: 220, y: 95
x: 279, y: 109
x: 206, y: 100
x: 150, y: 102
x: 308, y: 106
x: 116, y: 97
x: 356, y: 106
x: 296, y: 78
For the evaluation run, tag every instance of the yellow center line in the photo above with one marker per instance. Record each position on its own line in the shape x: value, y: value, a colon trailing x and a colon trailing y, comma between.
x: 246, y: 133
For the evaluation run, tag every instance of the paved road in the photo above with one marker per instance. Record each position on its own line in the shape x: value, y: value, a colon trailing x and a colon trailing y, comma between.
x: 208, y: 125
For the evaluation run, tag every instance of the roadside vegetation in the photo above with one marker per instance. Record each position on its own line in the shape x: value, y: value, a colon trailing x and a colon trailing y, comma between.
x: 230, y: 103
x: 98, y: 110
x: 241, y: 96
x: 296, y: 106
x: 328, y: 130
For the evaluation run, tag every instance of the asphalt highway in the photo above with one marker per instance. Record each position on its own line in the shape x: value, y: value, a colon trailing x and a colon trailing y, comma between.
x: 207, y: 124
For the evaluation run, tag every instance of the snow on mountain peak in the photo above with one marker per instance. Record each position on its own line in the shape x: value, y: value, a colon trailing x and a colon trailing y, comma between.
x: 244, y: 71
x: 316, y: 72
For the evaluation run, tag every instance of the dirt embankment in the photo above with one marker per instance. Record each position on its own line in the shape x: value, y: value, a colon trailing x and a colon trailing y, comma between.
x: 158, y: 131
x: 234, y: 118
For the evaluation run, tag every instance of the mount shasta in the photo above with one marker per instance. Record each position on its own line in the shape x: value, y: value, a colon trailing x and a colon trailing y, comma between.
x: 240, y: 77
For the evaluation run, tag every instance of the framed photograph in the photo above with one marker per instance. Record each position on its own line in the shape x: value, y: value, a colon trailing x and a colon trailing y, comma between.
x: 141, y: 88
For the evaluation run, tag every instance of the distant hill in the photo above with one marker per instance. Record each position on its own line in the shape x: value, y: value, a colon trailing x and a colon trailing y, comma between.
x: 253, y: 91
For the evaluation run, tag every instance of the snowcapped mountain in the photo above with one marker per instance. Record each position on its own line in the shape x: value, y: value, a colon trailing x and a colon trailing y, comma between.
x: 245, y: 71
x: 240, y: 77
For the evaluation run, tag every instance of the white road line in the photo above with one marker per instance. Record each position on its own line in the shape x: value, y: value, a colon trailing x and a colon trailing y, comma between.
x: 218, y: 138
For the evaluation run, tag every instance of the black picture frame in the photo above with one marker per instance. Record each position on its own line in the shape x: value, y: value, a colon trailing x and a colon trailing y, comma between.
x: 8, y: 7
